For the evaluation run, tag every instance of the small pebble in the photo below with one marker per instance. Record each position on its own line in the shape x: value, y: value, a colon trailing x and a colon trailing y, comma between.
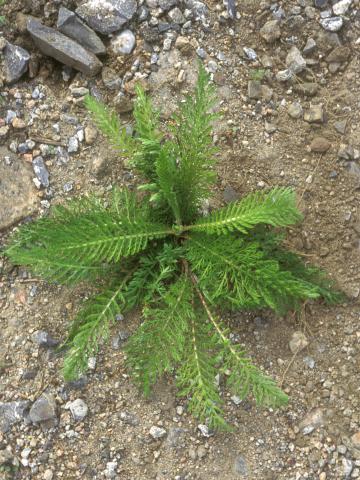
x: 123, y: 43
x: 157, y: 432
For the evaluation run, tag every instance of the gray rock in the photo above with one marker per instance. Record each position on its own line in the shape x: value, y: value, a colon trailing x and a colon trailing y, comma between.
x: 200, y: 52
x: 62, y: 156
x: 309, y: 362
x: 129, y: 418
x: 119, y: 339
x: 258, y: 91
x: 175, y: 438
x: 43, y: 409
x: 341, y: 8
x: 230, y: 195
x: 312, y: 420
x: 10, y: 115
x: 11, y: 413
x: 17, y: 192
x: 79, y: 92
x: 298, y: 342
x: 320, y: 3
x: 177, y: 16
x: 205, y: 431
x: 6, y: 459
x: 198, y: 9
x: 315, y: 114
x: 332, y: 24
x: 68, y: 187
x: 236, y: 400
x: 41, y: 171
x: 250, y: 53
x: 295, y: 110
x: 111, y: 78
x: 111, y: 468
x: 123, y: 43
x: 254, y: 89
x: 78, y: 409
x: 62, y: 48
x: 240, y: 467
x: 44, y: 339
x: 310, y: 12
x: 308, y: 89
x: 284, y: 75
x: 143, y: 13
x: 310, y: 46
x: 348, y: 466
x: 71, y: 25
x: 73, y: 144
x: 295, y: 61
x: 348, y: 152
x: 107, y: 16
x: 157, y: 432
x: 16, y: 60
x: 271, y: 32
x: 340, y: 126
x: 167, y: 4
x: 338, y: 55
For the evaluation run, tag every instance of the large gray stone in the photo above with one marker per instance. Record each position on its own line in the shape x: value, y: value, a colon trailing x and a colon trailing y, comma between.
x: 71, y: 25
x: 62, y: 48
x: 107, y: 16
x: 43, y: 409
x: 11, y: 413
x: 18, y: 196
x: 16, y: 60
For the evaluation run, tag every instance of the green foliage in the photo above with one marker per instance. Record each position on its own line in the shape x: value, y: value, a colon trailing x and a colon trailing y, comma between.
x: 2, y: 18
x: 257, y: 74
x: 236, y: 272
x: 276, y: 207
x: 155, y: 251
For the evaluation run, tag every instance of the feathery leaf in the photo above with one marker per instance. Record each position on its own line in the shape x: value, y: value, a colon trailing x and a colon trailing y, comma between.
x: 244, y: 377
x: 109, y: 124
x: 276, y: 207
x: 76, y: 239
x: 235, y: 272
x: 91, y: 327
x: 197, y: 372
x: 158, y: 343
x: 192, y: 132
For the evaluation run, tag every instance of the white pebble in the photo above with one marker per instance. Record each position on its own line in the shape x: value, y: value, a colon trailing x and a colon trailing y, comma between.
x: 123, y: 43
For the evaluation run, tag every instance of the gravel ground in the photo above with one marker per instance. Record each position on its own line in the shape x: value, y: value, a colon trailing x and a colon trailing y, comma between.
x: 288, y: 84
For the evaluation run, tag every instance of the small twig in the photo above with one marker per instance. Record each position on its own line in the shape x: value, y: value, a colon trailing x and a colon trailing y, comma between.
x: 30, y: 280
x: 47, y: 140
x: 312, y: 173
x: 288, y: 366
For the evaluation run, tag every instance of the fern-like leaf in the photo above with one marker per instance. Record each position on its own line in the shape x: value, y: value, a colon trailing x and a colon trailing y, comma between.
x: 197, y: 372
x: 148, y: 135
x: 236, y: 273
x: 109, y: 124
x: 244, y: 377
x: 76, y: 240
x: 167, y: 173
x: 91, y: 327
x: 276, y: 207
x: 150, y: 280
x: 192, y: 132
x: 158, y: 343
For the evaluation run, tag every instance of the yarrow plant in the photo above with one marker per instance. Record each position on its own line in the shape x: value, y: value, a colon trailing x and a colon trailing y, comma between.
x: 153, y: 249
